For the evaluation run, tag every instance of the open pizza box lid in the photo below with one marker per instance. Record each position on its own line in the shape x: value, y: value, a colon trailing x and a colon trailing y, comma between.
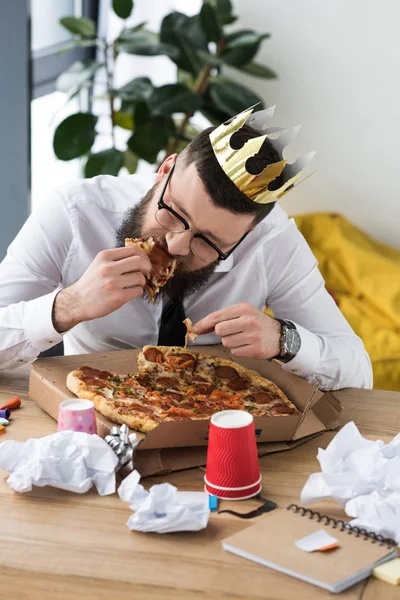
x: 175, y: 445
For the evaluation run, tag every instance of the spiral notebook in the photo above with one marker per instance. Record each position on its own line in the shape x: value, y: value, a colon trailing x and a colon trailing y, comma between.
x: 272, y: 542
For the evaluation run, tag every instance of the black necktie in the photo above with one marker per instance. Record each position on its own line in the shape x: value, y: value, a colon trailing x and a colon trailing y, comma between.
x: 172, y: 329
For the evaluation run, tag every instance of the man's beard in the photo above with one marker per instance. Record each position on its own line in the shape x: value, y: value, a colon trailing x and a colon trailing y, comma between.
x: 184, y: 283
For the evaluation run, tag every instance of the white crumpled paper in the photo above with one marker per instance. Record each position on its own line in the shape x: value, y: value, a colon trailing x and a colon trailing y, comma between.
x: 363, y: 476
x: 163, y: 509
x: 68, y: 460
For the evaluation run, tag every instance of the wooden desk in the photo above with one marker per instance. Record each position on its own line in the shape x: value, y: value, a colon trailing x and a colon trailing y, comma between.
x: 56, y: 545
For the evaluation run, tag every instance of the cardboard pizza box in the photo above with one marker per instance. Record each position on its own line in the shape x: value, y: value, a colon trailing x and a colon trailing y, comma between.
x: 175, y: 445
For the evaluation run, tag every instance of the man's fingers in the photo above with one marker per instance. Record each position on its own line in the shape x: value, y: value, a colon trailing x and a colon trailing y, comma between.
x: 234, y: 341
x: 131, y: 293
x: 209, y: 322
x: 134, y: 263
x: 246, y: 351
x: 130, y: 280
x: 112, y: 254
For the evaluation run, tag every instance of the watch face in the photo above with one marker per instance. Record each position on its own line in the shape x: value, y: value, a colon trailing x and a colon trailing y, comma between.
x: 292, y: 342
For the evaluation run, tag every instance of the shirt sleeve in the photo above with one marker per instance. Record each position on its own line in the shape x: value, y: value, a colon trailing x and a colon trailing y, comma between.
x: 331, y: 355
x: 30, y: 278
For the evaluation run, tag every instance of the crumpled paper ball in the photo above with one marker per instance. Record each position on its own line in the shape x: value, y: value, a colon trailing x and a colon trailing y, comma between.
x: 68, y: 460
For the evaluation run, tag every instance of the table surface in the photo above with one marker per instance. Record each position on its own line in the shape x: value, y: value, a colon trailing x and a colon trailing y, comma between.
x: 58, y: 545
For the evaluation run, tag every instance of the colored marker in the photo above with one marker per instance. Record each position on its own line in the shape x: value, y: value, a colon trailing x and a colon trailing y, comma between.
x: 11, y: 404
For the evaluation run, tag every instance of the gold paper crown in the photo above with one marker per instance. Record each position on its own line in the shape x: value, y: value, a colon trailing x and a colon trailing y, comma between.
x: 235, y: 162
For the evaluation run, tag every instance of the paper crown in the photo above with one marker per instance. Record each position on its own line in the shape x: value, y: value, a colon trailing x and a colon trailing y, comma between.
x: 236, y: 162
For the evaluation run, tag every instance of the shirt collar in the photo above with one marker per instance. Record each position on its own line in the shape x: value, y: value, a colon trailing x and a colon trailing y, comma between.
x: 224, y: 265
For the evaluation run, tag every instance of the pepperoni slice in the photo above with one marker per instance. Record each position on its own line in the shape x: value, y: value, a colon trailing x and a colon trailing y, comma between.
x: 203, y: 388
x: 95, y: 382
x: 90, y: 372
x: 174, y: 396
x: 159, y: 256
x: 283, y: 409
x: 226, y: 372
x: 260, y: 398
x: 237, y: 385
x: 153, y: 355
x: 181, y: 361
x: 168, y: 382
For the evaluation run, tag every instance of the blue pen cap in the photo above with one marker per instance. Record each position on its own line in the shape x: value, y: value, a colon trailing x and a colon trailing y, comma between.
x: 5, y: 414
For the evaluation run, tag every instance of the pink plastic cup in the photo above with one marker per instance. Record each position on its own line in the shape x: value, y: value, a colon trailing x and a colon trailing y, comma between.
x: 78, y: 415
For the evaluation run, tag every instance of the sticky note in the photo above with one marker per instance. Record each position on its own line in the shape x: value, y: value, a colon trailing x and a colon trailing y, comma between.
x: 319, y: 540
x: 388, y: 571
x: 213, y: 502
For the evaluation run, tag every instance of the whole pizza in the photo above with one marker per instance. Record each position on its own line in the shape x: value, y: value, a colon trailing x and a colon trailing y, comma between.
x: 173, y: 384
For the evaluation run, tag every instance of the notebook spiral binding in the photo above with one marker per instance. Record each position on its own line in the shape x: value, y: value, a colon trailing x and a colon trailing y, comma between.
x: 335, y: 523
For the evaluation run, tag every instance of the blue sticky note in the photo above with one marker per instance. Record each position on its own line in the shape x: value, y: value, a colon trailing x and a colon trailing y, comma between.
x: 213, y: 502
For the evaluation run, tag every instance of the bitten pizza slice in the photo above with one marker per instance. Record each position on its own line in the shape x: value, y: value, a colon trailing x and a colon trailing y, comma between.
x: 162, y: 263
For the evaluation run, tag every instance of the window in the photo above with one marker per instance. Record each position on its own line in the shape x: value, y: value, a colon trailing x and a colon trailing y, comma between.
x: 48, y: 106
x: 48, y: 36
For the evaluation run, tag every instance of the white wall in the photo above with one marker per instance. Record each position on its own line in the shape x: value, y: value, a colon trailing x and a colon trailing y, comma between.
x: 339, y: 76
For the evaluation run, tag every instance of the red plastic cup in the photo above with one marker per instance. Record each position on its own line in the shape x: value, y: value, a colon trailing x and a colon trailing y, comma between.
x: 78, y: 415
x: 232, y: 469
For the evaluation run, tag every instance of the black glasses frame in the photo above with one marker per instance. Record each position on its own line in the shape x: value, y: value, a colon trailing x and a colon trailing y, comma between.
x: 161, y: 204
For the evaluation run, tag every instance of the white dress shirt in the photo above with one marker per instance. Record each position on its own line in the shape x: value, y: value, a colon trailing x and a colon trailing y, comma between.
x: 273, y: 264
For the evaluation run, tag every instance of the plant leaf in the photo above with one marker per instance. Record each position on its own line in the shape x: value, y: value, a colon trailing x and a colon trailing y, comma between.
x: 144, y: 43
x: 188, y: 54
x: 185, y: 78
x: 79, y: 26
x: 230, y: 97
x: 210, y: 23
x: 122, y: 8
x: 106, y: 162
x: 130, y: 161
x: 224, y: 9
x: 186, y: 34
x: 174, y: 98
x: 240, y: 47
x: 258, y: 70
x: 124, y: 119
x: 76, y: 43
x: 136, y: 90
x: 74, y: 136
x: 150, y: 136
x: 211, y: 59
x: 76, y: 76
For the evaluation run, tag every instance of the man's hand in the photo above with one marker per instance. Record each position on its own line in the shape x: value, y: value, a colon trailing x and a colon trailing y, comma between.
x: 244, y: 330
x: 114, y: 277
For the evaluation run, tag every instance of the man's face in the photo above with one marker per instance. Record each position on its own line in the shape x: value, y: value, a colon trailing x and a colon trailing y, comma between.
x: 187, y: 196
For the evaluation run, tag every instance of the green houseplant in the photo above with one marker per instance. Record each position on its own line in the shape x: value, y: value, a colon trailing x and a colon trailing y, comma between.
x: 200, y: 46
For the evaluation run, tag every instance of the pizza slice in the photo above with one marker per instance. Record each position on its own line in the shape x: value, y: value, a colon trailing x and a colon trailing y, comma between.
x: 162, y: 263
x: 190, y: 335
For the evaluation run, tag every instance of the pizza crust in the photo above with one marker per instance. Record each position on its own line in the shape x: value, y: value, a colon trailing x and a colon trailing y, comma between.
x: 108, y: 408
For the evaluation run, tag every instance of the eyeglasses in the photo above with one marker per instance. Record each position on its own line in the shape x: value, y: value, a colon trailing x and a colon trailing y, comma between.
x: 173, y: 222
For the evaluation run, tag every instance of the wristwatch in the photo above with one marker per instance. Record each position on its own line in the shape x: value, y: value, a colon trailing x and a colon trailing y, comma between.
x: 290, y: 341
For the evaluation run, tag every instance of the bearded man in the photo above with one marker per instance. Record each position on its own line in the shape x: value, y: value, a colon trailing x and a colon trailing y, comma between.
x: 68, y: 276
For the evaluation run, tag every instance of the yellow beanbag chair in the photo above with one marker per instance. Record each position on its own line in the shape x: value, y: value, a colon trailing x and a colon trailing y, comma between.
x: 363, y: 277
